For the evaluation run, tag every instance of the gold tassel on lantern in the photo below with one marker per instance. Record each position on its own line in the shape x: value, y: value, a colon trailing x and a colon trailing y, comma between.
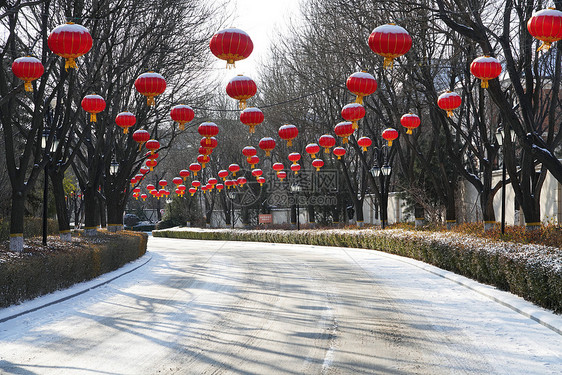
x: 93, y: 117
x: 150, y: 100
x: 27, y: 86
x: 70, y: 63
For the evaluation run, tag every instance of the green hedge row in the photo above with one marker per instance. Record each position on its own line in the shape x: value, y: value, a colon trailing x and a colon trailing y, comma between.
x: 534, y: 273
x: 30, y: 275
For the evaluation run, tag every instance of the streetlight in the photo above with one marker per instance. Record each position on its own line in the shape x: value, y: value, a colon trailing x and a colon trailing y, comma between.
x: 383, y: 174
x: 296, y: 188
x: 113, y: 167
x: 500, y: 134
x: 231, y: 195
x: 54, y: 145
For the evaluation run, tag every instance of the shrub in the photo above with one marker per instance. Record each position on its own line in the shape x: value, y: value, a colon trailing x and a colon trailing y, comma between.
x: 59, y: 265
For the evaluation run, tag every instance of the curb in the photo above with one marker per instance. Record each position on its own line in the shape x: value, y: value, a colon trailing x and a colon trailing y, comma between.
x: 99, y: 281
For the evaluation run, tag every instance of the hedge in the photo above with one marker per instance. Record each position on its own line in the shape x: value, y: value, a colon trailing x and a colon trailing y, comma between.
x: 533, y: 272
x: 29, y: 275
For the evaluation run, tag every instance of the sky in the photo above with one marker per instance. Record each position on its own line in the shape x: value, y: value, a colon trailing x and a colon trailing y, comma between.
x: 260, y: 19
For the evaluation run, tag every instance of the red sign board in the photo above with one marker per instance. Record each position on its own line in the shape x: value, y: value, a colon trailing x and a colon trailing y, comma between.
x: 265, y: 218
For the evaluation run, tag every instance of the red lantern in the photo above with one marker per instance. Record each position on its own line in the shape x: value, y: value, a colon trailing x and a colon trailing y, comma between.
x: 213, y: 181
x: 209, y: 142
x: 261, y: 180
x: 192, y: 191
x: 150, y: 187
x: 177, y: 180
x: 27, y: 69
x: 184, y: 174
x: 93, y: 104
x: 163, y: 183
x: 278, y: 167
x: 249, y: 151
x: 365, y: 142
x: 205, y: 150
x: 390, y: 41
x: 136, y: 195
x: 546, y: 26
x: 231, y: 45
x: 139, y: 176
x: 353, y: 112
x: 389, y: 134
x: 144, y: 170
x: 208, y: 129
x: 296, y: 168
x: 223, y: 173
x: 125, y: 120
x: 141, y: 136
x: 134, y: 181
x: 449, y: 101
x: 194, y: 168
x: 317, y: 163
x: 151, y: 163
x: 143, y: 196
x: 410, y: 121
x: 241, y: 88
x: 257, y: 172
x: 339, y: 152
x: 70, y: 41
x: 253, y: 160
x: 327, y: 141
x: 152, y: 145
x: 267, y: 144
x: 182, y: 114
x: 312, y: 149
x: 294, y: 157
x: 150, y: 84
x: 220, y: 187
x: 154, y: 193
x: 229, y: 183
x: 288, y: 132
x: 361, y: 84
x: 282, y: 175
x: 203, y: 160
x: 196, y: 183
x: 344, y: 129
x: 241, y: 181
x: 251, y: 117
x: 150, y: 155
x: 234, y: 168
x: 485, y: 68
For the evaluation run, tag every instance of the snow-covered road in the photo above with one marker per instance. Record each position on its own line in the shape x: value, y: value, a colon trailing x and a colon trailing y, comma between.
x: 214, y: 307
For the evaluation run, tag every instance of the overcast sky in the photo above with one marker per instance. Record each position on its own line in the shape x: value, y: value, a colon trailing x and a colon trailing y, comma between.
x: 260, y: 19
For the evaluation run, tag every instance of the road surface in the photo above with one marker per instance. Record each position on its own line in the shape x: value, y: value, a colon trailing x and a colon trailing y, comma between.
x: 215, y: 307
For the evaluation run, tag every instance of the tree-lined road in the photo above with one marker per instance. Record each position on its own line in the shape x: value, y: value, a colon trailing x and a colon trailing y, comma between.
x: 213, y: 307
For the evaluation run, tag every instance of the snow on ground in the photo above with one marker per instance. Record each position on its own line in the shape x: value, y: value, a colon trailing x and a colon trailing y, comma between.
x: 450, y: 310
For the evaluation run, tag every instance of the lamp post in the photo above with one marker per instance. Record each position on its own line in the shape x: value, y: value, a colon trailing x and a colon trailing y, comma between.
x: 231, y: 196
x: 113, y: 167
x: 54, y: 145
x: 296, y: 188
x: 383, y: 174
x: 500, y: 136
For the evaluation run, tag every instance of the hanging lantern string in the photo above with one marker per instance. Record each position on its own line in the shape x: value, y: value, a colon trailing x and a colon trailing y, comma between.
x: 274, y: 104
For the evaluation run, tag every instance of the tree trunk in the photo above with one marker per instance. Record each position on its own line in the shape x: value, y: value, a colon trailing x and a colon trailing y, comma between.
x: 91, y: 210
x: 16, y: 221
x: 115, y: 209
x: 488, y: 212
x: 451, y: 209
x: 419, y: 215
x: 60, y: 205
x: 359, y: 216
